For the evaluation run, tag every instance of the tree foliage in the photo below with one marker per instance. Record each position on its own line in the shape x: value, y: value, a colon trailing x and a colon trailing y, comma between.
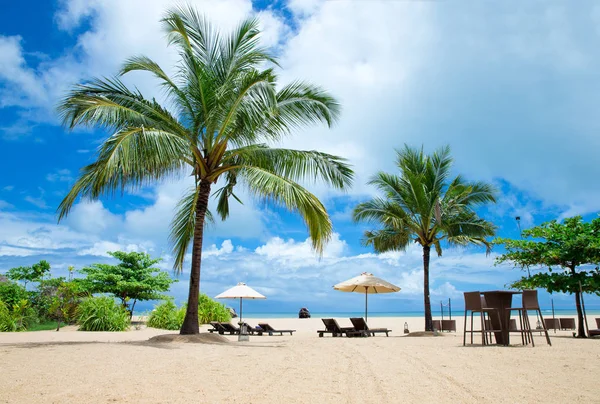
x: 33, y: 273
x: 424, y: 205
x: 133, y: 279
x: 561, y: 248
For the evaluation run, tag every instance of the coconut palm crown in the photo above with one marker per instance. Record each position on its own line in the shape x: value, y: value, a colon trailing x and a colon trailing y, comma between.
x: 424, y: 206
x: 222, y: 113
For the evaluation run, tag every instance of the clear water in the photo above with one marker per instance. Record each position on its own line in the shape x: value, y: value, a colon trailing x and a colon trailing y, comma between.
x: 455, y: 313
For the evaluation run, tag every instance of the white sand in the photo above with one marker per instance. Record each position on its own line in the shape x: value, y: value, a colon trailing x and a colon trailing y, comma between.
x: 75, y: 367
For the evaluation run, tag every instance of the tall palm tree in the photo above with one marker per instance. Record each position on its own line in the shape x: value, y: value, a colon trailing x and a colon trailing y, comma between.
x: 421, y: 206
x: 223, y: 111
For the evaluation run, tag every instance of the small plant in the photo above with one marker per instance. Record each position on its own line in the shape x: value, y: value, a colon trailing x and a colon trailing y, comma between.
x: 166, y: 316
x: 102, y: 314
x: 210, y: 310
x: 17, y: 319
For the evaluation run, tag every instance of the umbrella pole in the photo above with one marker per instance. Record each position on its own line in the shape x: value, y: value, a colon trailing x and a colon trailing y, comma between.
x: 366, y: 303
x: 241, y: 316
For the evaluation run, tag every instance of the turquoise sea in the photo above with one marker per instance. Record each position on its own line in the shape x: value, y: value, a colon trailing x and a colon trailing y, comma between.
x: 436, y: 314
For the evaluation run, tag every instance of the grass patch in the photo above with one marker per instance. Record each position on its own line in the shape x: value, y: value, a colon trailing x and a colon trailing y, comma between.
x: 48, y: 325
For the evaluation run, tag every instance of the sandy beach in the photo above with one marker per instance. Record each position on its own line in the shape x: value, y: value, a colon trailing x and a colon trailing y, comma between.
x: 73, y: 367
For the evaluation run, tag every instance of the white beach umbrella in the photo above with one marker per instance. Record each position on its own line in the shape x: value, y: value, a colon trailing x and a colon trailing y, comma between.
x: 366, y: 283
x: 240, y: 291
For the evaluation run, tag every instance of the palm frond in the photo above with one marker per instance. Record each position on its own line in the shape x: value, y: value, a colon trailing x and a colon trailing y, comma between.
x: 283, y: 192
x: 129, y: 159
x: 182, y: 226
x: 387, y: 239
x: 296, y: 165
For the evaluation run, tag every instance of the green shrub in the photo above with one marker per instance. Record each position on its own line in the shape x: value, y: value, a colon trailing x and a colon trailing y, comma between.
x: 12, y: 293
x: 166, y: 316
x: 17, y: 318
x: 210, y: 310
x: 102, y: 314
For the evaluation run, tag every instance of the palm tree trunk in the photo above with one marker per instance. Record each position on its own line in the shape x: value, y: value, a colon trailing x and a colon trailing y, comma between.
x: 428, y: 319
x: 580, y: 325
x: 190, y: 323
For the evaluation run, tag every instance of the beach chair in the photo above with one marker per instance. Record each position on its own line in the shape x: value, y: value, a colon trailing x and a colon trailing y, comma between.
x: 217, y: 327
x: 253, y: 330
x: 449, y: 325
x: 230, y: 328
x: 598, y: 323
x: 270, y: 330
x: 552, y: 323
x: 437, y: 325
x: 360, y: 325
x: 332, y: 327
x: 567, y: 323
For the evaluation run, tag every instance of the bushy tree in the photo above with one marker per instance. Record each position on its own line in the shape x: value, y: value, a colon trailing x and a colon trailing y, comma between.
x: 33, y: 273
x: 133, y: 279
x: 12, y: 293
x: 65, y: 301
x: 570, y: 251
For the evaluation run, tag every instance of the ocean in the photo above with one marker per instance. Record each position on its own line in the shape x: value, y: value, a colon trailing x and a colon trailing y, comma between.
x: 591, y: 314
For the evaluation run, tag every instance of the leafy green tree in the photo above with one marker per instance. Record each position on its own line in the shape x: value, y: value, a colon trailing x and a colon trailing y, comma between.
x: 224, y: 110
x: 562, y: 248
x: 65, y: 302
x: 133, y: 279
x: 33, y: 273
x: 422, y: 205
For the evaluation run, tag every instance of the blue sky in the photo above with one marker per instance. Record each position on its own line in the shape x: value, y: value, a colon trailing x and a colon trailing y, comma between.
x: 512, y: 88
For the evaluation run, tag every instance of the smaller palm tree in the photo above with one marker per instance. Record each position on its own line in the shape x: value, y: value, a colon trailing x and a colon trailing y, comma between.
x: 421, y: 206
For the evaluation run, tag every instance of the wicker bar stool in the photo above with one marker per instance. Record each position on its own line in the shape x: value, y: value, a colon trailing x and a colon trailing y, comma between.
x: 475, y: 303
x: 530, y: 302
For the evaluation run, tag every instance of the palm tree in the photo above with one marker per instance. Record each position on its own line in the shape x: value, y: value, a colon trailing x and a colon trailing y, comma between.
x: 222, y: 113
x: 420, y: 205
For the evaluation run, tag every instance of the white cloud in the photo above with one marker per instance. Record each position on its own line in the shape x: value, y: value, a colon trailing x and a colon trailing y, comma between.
x: 102, y: 248
x: 8, y: 188
x: 299, y: 253
x: 63, y: 175
x: 40, y: 202
x: 24, y: 85
x: 5, y: 205
x: 93, y: 218
x: 213, y: 250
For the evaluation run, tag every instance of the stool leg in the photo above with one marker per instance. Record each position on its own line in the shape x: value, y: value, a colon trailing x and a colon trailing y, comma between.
x: 521, y: 328
x: 529, y: 330
x: 544, y: 325
x: 465, y: 330
x: 471, y: 327
x: 483, y: 333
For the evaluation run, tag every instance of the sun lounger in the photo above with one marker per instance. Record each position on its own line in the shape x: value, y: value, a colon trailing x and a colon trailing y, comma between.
x: 598, y: 323
x: 224, y: 328
x: 552, y: 323
x: 448, y: 325
x: 594, y: 333
x: 361, y: 325
x: 567, y: 323
x: 332, y: 327
x: 270, y: 330
x: 437, y: 325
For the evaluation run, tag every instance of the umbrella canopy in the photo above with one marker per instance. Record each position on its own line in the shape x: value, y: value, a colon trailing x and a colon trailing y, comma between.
x: 366, y: 283
x: 240, y: 291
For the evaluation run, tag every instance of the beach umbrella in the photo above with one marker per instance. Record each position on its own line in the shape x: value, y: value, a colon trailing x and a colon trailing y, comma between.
x: 240, y: 291
x: 366, y: 283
